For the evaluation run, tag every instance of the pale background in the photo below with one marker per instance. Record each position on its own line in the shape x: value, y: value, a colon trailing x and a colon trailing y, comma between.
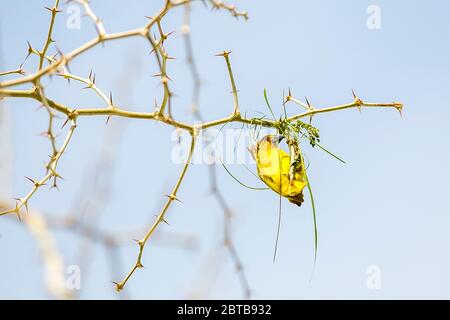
x: 386, y: 207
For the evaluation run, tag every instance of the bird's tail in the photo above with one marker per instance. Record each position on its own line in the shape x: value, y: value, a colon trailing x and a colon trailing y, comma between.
x: 297, y: 199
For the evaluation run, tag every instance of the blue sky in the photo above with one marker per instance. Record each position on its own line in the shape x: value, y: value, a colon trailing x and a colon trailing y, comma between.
x: 386, y: 207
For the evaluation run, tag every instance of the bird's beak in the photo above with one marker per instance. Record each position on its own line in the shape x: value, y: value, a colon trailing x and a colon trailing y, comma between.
x: 278, y: 138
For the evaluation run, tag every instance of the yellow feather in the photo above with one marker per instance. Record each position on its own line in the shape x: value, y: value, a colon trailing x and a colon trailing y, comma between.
x: 273, y: 166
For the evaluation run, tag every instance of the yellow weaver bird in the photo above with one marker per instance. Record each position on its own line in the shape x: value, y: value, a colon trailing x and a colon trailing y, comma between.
x: 274, y: 169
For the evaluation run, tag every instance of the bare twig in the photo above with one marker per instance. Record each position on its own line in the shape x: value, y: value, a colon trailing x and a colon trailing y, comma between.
x: 15, y: 71
x: 51, y: 172
x: 160, y: 218
x: 98, y: 22
x: 218, y: 4
x: 226, y: 55
x: 54, y: 10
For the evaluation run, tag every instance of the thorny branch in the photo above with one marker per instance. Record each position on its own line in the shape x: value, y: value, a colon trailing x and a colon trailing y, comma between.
x: 18, y: 71
x: 51, y: 172
x: 160, y: 218
x: 58, y: 64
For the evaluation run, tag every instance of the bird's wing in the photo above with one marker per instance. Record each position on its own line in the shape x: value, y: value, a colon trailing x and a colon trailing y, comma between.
x: 273, y: 166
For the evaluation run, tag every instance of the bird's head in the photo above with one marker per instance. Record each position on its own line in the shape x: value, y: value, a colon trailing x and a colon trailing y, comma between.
x: 265, y: 144
x: 274, y: 139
